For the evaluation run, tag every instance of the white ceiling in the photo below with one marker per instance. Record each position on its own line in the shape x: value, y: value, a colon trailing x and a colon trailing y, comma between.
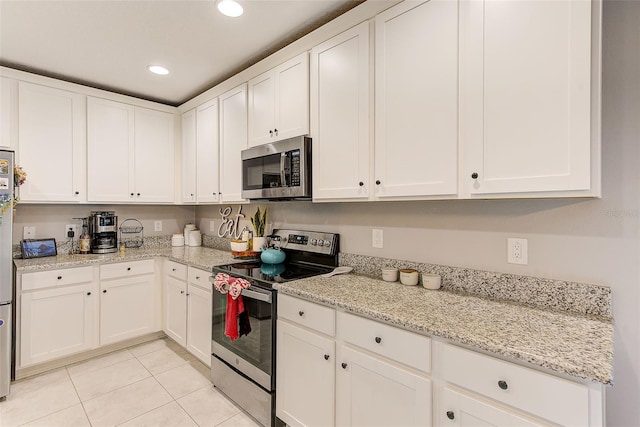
x: 108, y: 43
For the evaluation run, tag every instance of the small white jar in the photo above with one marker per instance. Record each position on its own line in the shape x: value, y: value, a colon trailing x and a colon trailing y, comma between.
x: 431, y: 281
x: 409, y: 277
x: 177, y: 240
x: 389, y: 274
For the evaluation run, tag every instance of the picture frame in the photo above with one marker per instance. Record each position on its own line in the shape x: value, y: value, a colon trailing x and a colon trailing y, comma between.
x: 38, y: 248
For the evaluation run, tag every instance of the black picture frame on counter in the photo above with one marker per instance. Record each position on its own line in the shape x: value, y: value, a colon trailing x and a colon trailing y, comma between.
x: 38, y: 248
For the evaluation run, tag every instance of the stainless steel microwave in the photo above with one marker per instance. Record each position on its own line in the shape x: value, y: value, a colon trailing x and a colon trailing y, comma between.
x: 278, y: 171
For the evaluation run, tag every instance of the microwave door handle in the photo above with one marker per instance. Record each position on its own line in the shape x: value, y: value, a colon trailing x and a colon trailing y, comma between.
x: 283, y: 174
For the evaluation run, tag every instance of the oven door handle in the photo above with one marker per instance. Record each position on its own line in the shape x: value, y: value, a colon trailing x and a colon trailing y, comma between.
x: 256, y: 295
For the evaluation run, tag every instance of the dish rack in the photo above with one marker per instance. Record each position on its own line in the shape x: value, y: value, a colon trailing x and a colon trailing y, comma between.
x: 131, y: 235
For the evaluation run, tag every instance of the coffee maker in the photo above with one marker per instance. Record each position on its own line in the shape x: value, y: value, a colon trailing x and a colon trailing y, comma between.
x: 103, y: 227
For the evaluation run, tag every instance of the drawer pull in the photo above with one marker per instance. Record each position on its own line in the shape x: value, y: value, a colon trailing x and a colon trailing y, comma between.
x: 88, y: 293
x: 182, y: 292
x: 450, y: 415
x: 326, y: 357
x: 344, y: 365
x: 128, y: 268
x: 503, y: 385
x: 104, y: 291
x: 378, y: 340
x: 173, y: 269
x: 197, y: 277
x: 301, y: 313
x: 59, y: 277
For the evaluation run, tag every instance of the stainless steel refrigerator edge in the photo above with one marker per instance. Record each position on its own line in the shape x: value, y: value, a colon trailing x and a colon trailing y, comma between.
x: 6, y: 272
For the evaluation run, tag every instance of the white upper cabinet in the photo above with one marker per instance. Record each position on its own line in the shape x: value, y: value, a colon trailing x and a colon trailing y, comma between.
x: 233, y: 139
x: 130, y: 153
x: 8, y: 111
x: 52, y: 144
x: 340, y: 124
x: 208, y: 158
x: 189, y: 157
x: 527, y: 87
x: 416, y: 100
x: 279, y: 102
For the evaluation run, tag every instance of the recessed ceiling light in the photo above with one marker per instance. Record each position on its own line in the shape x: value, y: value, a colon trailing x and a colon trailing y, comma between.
x: 230, y: 8
x: 158, y: 69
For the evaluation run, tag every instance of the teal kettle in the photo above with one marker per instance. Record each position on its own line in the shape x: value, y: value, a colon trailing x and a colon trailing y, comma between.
x: 272, y: 256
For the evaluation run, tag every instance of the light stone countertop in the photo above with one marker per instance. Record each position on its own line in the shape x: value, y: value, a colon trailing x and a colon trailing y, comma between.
x: 577, y: 345
x: 199, y: 257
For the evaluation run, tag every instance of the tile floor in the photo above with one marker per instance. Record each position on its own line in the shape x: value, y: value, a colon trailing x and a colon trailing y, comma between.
x: 153, y: 384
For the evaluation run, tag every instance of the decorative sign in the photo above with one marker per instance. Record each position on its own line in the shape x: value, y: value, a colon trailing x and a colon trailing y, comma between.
x: 229, y: 225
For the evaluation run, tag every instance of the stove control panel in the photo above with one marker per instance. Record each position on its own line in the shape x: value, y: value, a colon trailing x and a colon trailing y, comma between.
x: 306, y: 241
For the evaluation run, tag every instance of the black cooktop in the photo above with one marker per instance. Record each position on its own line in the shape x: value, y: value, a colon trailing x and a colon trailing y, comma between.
x: 265, y: 275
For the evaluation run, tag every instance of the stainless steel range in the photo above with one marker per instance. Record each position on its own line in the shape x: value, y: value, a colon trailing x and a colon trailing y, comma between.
x: 244, y: 368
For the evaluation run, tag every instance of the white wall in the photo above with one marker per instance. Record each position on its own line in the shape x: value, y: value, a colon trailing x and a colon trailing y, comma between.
x: 50, y: 220
x: 591, y: 241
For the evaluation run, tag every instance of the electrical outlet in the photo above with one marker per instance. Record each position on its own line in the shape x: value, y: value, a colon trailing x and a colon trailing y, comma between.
x: 212, y: 226
x: 29, y: 232
x: 71, y: 227
x: 157, y: 225
x: 517, y: 251
x: 377, y: 238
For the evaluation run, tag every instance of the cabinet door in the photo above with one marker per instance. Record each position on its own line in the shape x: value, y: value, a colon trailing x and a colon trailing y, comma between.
x: 292, y: 98
x: 153, y: 155
x: 233, y: 139
x: 52, y: 144
x: 57, y: 322
x: 340, y: 116
x: 462, y: 410
x: 208, y: 159
x: 305, y: 377
x: 189, y: 157
x: 261, y: 105
x: 175, y: 310
x: 127, y: 308
x: 373, y: 392
x: 110, y: 139
x: 416, y: 119
x: 8, y: 111
x: 525, y: 96
x: 199, y: 322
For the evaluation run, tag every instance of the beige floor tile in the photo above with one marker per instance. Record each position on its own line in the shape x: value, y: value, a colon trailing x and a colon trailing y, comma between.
x: 99, y: 362
x: 208, y: 407
x: 34, y: 383
x: 148, y: 347
x: 240, y: 420
x: 163, y: 360
x: 70, y: 417
x: 26, y: 406
x: 101, y: 381
x: 169, y: 415
x: 182, y: 380
x: 126, y: 403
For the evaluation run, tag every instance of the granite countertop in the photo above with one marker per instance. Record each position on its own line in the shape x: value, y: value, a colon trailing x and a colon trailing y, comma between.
x: 199, y: 257
x: 578, y: 345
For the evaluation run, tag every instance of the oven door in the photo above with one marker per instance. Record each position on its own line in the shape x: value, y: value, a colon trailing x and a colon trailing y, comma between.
x: 251, y: 354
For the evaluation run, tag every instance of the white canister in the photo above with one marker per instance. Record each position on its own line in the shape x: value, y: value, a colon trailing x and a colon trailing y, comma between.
x: 177, y: 240
x: 195, y: 238
x: 389, y: 274
x: 431, y: 281
x: 409, y: 277
x: 187, y: 229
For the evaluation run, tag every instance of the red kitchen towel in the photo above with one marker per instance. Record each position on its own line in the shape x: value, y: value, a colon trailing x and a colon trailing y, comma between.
x: 234, y: 308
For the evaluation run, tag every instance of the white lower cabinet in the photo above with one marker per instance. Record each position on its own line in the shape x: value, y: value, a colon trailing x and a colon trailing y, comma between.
x: 187, y: 309
x: 127, y: 300
x: 371, y: 391
x: 57, y: 322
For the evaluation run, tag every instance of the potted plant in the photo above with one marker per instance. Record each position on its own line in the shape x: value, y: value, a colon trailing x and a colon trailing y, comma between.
x: 259, y: 222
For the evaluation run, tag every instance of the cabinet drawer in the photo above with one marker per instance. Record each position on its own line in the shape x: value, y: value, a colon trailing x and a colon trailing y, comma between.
x: 126, y: 269
x: 53, y: 278
x: 556, y: 399
x: 175, y: 269
x: 199, y: 277
x: 402, y: 346
x: 305, y: 313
